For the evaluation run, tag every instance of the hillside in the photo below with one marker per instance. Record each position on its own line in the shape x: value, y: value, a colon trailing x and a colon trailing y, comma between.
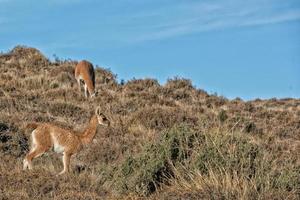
x: 170, y: 141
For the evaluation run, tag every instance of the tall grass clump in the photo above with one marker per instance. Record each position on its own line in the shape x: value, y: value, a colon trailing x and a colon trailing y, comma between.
x: 143, y: 173
x: 227, y: 165
x: 222, y: 165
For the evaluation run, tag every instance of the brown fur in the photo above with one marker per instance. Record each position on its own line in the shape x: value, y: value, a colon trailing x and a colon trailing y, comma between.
x: 84, y: 70
x: 66, y: 141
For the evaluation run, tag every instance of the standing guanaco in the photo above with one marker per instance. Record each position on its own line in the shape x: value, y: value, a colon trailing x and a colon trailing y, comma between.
x: 84, y: 71
x: 46, y: 136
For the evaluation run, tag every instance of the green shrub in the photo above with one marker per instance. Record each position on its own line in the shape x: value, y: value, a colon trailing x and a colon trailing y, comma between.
x: 230, y: 153
x: 222, y: 116
x: 154, y: 165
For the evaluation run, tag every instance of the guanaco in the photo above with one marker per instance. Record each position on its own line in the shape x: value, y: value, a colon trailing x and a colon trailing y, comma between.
x: 46, y: 136
x: 84, y: 72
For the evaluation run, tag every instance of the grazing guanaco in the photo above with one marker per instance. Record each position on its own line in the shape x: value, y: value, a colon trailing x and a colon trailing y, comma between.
x: 46, y: 136
x: 84, y: 71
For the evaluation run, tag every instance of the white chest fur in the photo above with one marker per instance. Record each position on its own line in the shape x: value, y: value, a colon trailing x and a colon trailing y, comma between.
x: 56, y: 146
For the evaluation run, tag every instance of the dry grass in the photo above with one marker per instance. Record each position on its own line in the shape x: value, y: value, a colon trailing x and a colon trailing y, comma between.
x: 166, y: 142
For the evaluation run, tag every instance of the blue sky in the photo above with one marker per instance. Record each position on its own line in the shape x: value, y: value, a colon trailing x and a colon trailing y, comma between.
x: 235, y: 48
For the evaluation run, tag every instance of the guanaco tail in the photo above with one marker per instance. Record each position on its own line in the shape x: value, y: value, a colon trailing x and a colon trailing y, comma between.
x: 46, y: 136
x: 84, y: 72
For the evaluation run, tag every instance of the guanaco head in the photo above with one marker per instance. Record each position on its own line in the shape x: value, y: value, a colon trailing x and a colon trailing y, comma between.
x: 102, y: 119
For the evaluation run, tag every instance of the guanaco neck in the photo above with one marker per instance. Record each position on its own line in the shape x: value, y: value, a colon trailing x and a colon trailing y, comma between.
x: 87, y: 136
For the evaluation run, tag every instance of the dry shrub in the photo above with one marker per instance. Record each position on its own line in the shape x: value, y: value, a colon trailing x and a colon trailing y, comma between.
x: 9, y: 104
x: 138, y: 85
x: 68, y: 68
x: 215, y: 101
x: 47, y: 186
x: 66, y: 78
x: 225, y: 166
x: 162, y: 117
x: 26, y: 56
x: 106, y: 148
x: 35, y: 82
x: 63, y: 94
x: 67, y: 109
x: 13, y: 142
x: 179, y: 83
x: 179, y: 89
x: 105, y: 76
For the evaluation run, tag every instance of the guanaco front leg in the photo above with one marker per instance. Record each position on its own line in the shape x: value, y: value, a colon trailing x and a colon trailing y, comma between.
x: 79, y: 86
x: 66, y: 162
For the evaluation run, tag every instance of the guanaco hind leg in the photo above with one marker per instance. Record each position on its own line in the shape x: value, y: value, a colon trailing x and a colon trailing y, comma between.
x: 34, y: 153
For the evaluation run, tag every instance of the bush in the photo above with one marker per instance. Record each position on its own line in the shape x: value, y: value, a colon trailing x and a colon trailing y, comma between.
x: 138, y: 85
x: 67, y: 109
x: 227, y: 153
x: 162, y: 117
x: 154, y: 165
x: 12, y: 141
x: 29, y: 57
x: 222, y: 116
x: 179, y: 83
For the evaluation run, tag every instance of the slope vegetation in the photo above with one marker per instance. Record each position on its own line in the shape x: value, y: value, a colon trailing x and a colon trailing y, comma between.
x: 169, y: 141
